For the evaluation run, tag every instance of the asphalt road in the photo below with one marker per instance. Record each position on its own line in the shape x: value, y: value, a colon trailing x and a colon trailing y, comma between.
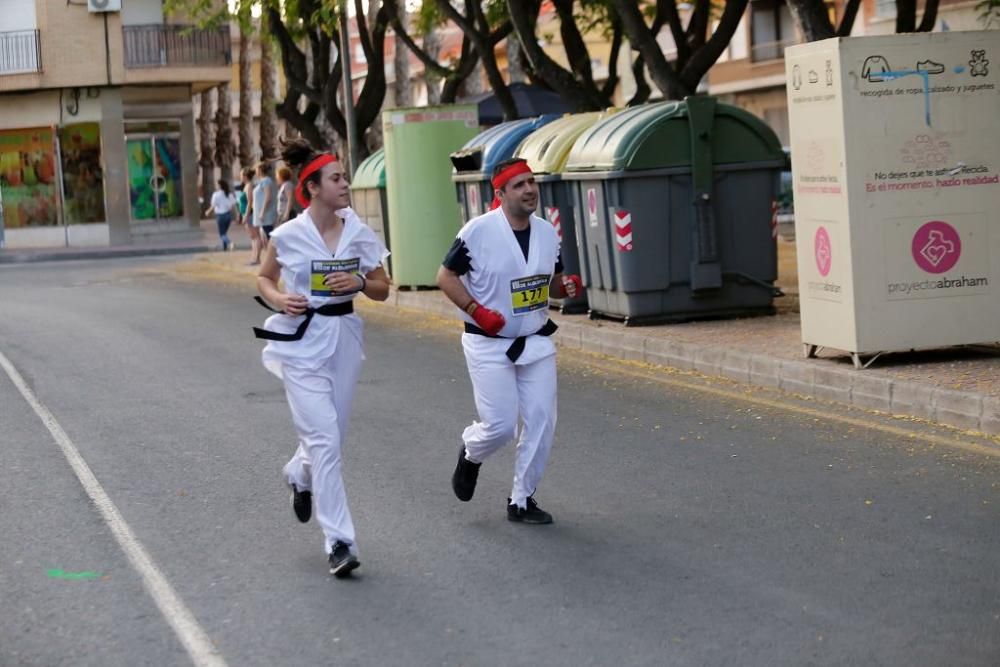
x: 696, y: 523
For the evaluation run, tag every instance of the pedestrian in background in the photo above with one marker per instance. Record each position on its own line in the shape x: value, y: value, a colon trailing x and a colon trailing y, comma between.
x: 286, y: 192
x: 265, y: 204
x: 323, y: 259
x: 248, y: 218
x: 223, y: 204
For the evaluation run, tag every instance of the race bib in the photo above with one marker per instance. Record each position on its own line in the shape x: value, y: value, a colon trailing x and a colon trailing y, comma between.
x: 321, y: 267
x: 529, y: 294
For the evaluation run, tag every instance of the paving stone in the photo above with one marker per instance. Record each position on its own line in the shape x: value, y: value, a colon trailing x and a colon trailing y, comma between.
x: 871, y: 391
x: 958, y: 408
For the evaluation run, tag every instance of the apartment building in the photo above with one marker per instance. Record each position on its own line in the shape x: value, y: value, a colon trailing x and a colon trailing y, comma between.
x: 97, y: 140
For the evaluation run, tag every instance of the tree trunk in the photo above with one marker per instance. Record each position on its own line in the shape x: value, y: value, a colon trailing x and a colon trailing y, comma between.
x: 225, y: 151
x: 812, y: 18
x: 432, y: 46
x: 472, y: 85
x: 402, y: 88
x: 515, y: 60
x: 205, y: 160
x: 245, y: 124
x: 268, y: 94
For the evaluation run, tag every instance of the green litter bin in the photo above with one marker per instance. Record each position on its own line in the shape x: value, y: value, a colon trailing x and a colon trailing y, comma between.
x: 419, y: 193
x: 368, y: 197
x: 546, y: 150
x: 475, y: 161
x: 674, y: 205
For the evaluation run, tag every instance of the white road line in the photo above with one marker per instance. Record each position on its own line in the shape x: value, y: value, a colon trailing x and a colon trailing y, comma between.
x: 180, y: 618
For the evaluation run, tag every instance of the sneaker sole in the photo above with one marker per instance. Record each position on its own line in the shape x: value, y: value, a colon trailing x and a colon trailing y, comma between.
x: 530, y: 522
x: 345, y: 569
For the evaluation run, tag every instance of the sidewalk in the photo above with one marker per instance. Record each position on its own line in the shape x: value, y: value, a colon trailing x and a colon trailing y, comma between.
x: 958, y: 386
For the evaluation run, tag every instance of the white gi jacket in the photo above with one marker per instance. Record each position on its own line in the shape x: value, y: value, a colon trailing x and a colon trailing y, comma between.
x: 502, y: 280
x: 299, y: 247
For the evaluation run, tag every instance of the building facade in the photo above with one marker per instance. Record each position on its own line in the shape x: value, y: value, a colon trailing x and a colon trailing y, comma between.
x: 97, y: 139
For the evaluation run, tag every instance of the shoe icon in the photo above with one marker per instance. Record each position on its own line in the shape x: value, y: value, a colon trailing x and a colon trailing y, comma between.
x: 930, y: 67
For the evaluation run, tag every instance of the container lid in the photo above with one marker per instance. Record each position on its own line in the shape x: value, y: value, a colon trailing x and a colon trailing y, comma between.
x: 491, y: 147
x: 654, y: 136
x: 547, y: 148
x: 371, y: 172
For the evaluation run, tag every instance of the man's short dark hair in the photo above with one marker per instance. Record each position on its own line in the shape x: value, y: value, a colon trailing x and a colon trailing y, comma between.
x: 506, y: 163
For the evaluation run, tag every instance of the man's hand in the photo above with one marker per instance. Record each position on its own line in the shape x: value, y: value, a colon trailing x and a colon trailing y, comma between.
x: 488, y: 320
x: 572, y: 284
x: 293, y: 304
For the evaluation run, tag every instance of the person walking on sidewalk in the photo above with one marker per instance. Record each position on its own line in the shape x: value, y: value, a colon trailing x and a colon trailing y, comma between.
x: 265, y: 208
x: 286, y: 190
x: 248, y: 217
x: 324, y: 258
x: 223, y: 203
x: 500, y: 272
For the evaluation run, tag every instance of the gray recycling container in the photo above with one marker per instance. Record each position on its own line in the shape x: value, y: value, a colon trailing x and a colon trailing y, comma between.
x: 674, y: 212
x: 368, y: 198
x: 475, y: 161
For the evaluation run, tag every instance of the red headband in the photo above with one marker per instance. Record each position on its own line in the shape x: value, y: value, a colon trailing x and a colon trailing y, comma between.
x: 310, y: 169
x: 501, y: 179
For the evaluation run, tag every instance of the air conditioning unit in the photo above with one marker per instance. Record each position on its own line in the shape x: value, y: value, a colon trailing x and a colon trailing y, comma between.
x: 104, y: 5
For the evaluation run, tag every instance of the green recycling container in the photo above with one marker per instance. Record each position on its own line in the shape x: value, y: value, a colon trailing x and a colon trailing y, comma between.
x: 419, y: 193
x: 368, y: 197
x: 546, y: 150
x: 674, y: 210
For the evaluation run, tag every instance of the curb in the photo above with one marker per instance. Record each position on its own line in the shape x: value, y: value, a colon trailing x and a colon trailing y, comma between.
x: 32, y: 256
x: 959, y: 409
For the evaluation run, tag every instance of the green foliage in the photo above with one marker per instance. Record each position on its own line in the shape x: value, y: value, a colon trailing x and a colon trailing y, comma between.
x: 428, y: 15
x: 989, y: 12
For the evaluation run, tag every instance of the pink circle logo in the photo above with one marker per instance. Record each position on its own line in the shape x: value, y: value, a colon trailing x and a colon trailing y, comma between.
x: 823, y: 251
x: 936, y: 247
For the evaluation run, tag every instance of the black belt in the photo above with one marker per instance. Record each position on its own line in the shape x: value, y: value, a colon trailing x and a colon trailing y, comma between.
x: 517, y: 347
x: 329, y: 310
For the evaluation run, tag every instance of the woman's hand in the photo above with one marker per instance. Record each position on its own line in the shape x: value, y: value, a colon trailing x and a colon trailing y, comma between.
x: 293, y: 304
x: 342, y: 282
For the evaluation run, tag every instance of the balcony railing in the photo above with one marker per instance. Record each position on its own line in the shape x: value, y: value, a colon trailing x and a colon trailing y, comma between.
x: 161, y: 45
x: 769, y: 50
x: 20, y: 52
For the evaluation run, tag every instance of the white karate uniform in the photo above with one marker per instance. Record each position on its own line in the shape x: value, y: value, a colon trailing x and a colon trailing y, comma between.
x: 507, y: 391
x: 320, y: 371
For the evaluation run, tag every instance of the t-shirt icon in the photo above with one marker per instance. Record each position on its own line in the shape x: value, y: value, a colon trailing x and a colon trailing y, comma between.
x: 874, y: 68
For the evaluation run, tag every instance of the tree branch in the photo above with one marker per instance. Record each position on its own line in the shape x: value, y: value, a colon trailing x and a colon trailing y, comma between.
x: 703, y: 59
x: 847, y: 20
x: 930, y: 16
x: 523, y: 14
x: 639, y: 34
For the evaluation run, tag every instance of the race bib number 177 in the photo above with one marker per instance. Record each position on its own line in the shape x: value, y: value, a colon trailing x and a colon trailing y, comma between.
x: 529, y: 294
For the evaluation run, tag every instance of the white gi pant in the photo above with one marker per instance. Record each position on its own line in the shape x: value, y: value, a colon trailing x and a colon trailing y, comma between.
x: 321, y: 400
x: 505, y: 394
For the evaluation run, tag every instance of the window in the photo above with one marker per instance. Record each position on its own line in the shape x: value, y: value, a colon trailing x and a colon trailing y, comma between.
x: 885, y: 9
x: 771, y: 29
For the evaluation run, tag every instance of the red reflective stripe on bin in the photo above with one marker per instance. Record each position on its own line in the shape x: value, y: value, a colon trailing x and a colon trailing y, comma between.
x: 552, y: 215
x: 623, y: 230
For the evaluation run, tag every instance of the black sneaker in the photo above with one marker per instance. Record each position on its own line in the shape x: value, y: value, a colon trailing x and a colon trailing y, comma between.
x: 342, y: 561
x: 463, y: 480
x: 302, y: 504
x: 531, y: 514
